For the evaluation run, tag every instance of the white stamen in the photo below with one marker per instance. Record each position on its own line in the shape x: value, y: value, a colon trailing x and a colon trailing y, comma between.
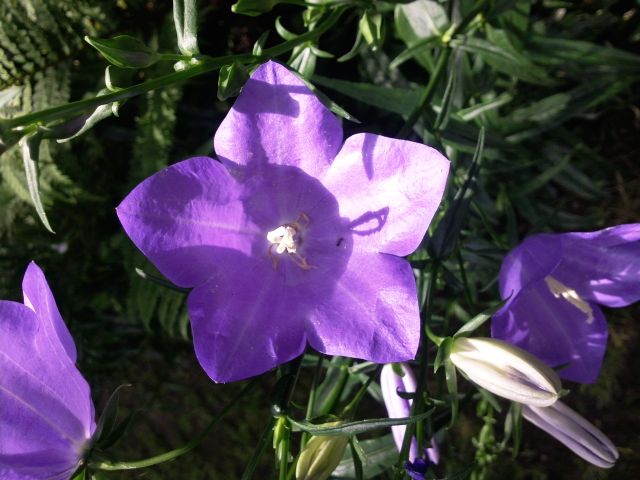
x: 283, y: 238
x: 570, y: 295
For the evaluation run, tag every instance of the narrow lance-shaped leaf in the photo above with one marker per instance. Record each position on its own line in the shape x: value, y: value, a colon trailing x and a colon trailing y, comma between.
x: 124, y: 51
x: 356, y: 428
x: 446, y: 235
x: 479, y: 320
x: 30, y: 155
x: 231, y: 80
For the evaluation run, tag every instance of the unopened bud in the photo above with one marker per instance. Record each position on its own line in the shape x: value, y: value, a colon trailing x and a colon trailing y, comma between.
x: 506, y: 370
x: 321, y: 456
x: 575, y: 432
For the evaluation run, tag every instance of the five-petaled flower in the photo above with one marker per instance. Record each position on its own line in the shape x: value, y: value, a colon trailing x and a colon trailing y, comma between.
x: 292, y: 237
x: 556, y: 283
x: 46, y: 412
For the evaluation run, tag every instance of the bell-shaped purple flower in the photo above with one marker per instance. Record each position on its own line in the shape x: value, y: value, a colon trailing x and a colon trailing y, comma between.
x: 397, y: 407
x: 556, y: 284
x: 46, y: 412
x: 294, y: 237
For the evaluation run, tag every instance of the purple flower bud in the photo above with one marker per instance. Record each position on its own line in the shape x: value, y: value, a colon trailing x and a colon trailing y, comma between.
x: 575, y: 432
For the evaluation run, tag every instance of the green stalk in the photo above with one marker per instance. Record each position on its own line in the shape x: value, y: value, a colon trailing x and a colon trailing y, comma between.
x: 167, y: 456
x: 417, y: 405
x: 311, y: 404
x: 204, y: 64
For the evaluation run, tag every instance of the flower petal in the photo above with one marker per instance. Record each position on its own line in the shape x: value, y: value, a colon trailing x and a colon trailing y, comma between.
x: 43, y: 399
x: 246, y: 320
x: 48, y: 464
x: 179, y: 216
x: 390, y: 190
x: 556, y: 330
x: 603, y: 266
x: 38, y: 297
x: 535, y: 258
x: 372, y: 313
x: 278, y: 120
x: 575, y: 432
x: 55, y: 349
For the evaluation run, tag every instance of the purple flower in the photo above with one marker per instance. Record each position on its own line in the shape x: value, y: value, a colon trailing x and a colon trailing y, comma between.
x: 294, y: 237
x: 46, y: 412
x: 557, y: 283
x: 398, y: 407
x: 416, y: 470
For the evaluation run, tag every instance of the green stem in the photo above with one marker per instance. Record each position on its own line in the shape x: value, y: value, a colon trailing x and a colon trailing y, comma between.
x: 430, y: 89
x: 311, y: 404
x: 167, y: 456
x: 418, y: 404
x: 349, y: 411
x: 259, y: 451
x: 336, y: 392
x: 205, y: 64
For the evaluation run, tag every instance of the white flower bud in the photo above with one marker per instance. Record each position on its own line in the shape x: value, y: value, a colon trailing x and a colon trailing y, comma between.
x: 320, y: 457
x: 577, y: 434
x: 506, y: 370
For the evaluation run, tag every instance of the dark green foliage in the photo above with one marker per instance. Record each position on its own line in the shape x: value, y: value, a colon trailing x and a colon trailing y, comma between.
x: 551, y: 89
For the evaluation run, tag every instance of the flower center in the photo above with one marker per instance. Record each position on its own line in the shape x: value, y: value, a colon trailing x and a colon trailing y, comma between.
x: 282, y: 238
x: 570, y: 295
x: 286, y: 239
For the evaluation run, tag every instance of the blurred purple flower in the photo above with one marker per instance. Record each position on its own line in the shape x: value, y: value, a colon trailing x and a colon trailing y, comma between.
x: 556, y: 283
x: 46, y: 412
x: 294, y: 237
x: 417, y: 470
x: 398, y: 407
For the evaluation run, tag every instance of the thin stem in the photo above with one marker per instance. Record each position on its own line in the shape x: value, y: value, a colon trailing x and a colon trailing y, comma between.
x: 204, y: 64
x: 311, y: 404
x: 259, y: 451
x: 418, y: 404
x: 167, y: 456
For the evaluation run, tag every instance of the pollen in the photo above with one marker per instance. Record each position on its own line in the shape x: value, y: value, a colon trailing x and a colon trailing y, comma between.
x: 286, y: 239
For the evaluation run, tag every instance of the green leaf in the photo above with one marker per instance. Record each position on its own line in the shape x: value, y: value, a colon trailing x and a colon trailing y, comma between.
x: 370, y: 26
x: 498, y: 52
x: 418, y: 21
x: 445, y: 237
x: 379, y: 455
x: 185, y: 17
x: 443, y: 352
x: 570, y: 55
x: 447, y: 103
x: 357, y: 455
x: 79, y: 125
x: 414, y: 50
x: 452, y: 387
x: 253, y: 8
x: 478, y: 320
x: 469, y: 113
x: 124, y: 51
x: 260, y: 43
x: 355, y: 49
x: 107, y: 422
x: 395, y: 100
x: 356, y: 428
x: 30, y: 154
x: 231, y: 79
x: 330, y: 104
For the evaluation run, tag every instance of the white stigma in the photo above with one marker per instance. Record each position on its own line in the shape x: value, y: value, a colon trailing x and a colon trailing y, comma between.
x: 570, y: 295
x: 282, y: 237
